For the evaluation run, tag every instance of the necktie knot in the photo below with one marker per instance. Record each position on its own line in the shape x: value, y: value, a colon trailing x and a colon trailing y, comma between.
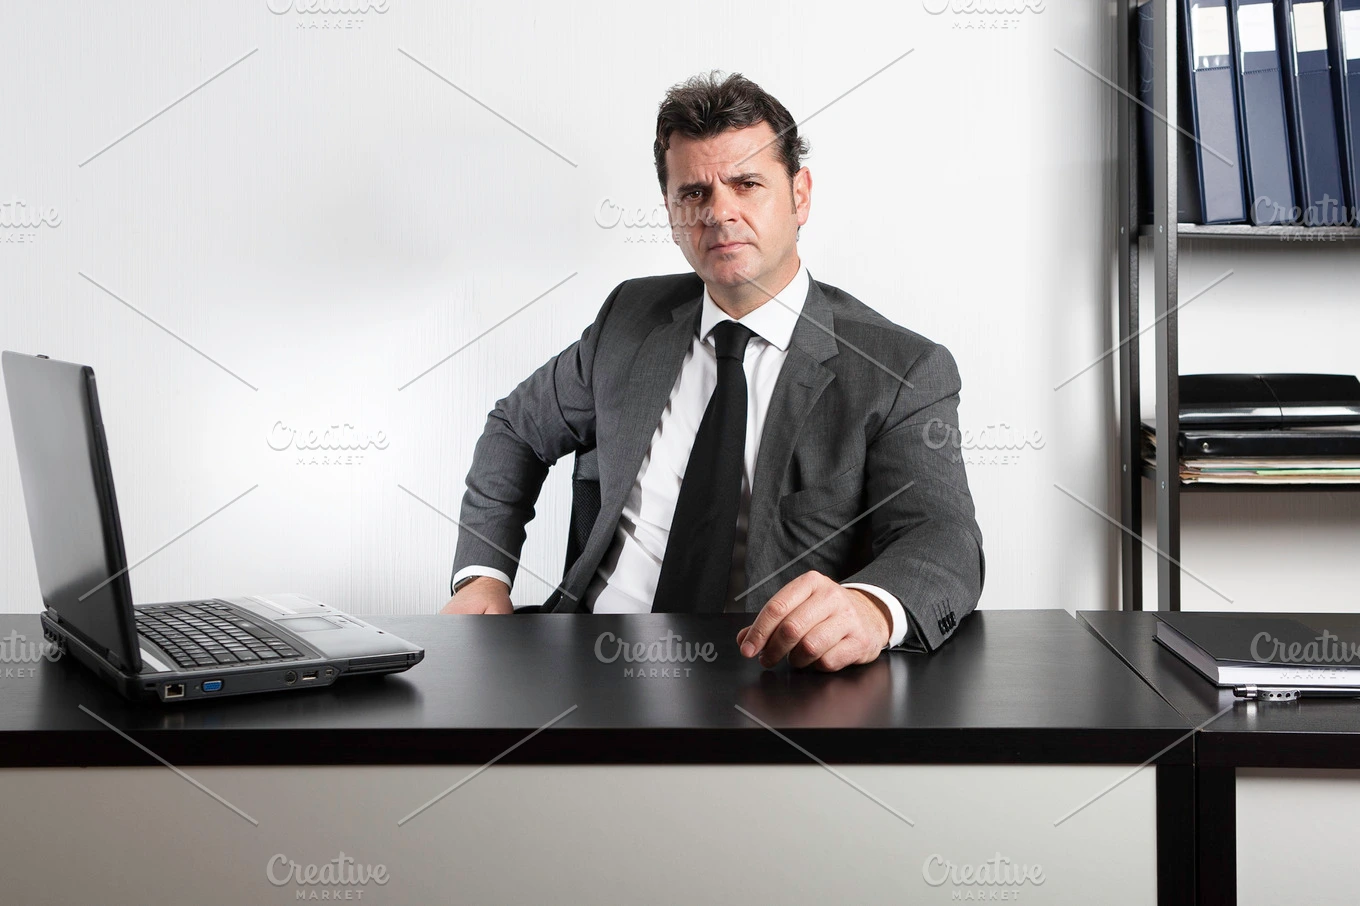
x: 730, y: 338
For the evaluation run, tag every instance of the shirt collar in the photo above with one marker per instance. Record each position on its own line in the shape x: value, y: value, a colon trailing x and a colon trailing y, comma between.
x: 773, y: 322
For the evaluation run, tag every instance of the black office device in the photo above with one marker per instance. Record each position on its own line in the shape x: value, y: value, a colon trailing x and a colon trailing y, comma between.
x: 1261, y: 401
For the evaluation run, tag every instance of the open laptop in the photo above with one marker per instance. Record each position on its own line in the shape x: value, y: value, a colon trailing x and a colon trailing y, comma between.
x: 177, y: 651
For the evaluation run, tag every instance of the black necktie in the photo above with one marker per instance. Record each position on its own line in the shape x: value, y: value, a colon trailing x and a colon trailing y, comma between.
x: 698, y: 561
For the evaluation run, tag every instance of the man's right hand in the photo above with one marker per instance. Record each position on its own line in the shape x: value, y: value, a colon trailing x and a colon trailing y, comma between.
x: 483, y: 594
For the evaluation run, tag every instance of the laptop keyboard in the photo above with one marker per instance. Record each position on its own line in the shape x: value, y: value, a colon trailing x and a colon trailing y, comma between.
x: 210, y: 634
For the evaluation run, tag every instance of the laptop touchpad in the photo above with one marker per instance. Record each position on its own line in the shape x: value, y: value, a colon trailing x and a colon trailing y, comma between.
x: 306, y: 624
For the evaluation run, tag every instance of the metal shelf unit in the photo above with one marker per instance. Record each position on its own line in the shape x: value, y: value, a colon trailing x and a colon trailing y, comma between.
x: 1163, y: 236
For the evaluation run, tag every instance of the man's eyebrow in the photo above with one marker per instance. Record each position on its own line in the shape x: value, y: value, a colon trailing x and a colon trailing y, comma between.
x: 735, y: 178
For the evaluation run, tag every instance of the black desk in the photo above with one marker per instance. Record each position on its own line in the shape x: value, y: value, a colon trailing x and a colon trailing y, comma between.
x: 1012, y: 693
x: 1309, y: 734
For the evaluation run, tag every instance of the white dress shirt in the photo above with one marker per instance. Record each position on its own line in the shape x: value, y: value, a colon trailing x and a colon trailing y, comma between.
x: 627, y: 576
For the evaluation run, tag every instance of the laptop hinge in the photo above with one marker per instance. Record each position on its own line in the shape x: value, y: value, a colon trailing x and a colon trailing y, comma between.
x: 107, y: 654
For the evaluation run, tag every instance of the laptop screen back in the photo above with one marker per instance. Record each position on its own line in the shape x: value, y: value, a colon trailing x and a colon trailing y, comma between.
x: 72, y: 511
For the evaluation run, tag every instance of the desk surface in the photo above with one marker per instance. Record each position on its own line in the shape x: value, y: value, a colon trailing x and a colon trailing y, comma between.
x: 1010, y: 687
x: 1311, y: 733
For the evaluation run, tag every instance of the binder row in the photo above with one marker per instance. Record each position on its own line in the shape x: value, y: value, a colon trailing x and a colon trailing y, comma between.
x: 1270, y: 90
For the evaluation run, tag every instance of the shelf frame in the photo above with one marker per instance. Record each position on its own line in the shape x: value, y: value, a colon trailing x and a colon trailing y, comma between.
x: 1162, y: 238
x: 1166, y: 266
x: 1130, y: 446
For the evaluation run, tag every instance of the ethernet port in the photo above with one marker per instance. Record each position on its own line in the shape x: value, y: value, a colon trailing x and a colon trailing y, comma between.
x: 174, y: 690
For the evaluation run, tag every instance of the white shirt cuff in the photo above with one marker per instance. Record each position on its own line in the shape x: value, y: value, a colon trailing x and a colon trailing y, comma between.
x: 491, y: 571
x: 901, y: 626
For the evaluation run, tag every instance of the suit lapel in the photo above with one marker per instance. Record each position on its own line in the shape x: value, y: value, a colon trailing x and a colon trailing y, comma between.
x: 655, y: 368
x: 801, y: 381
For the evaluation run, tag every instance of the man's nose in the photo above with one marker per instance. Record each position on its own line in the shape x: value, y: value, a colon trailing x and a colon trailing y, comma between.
x: 723, y: 207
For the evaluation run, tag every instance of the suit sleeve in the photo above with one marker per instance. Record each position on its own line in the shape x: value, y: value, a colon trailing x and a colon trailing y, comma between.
x: 927, y: 547
x: 550, y: 413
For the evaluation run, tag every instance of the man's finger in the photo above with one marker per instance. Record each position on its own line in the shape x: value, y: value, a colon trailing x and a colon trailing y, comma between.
x: 841, y: 655
x: 798, y: 624
x: 822, y: 639
x: 775, y: 609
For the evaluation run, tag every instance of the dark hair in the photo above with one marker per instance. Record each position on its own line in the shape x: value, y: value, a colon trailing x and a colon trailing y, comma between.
x: 701, y: 107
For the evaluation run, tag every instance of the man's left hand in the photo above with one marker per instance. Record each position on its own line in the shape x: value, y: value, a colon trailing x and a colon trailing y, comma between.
x: 818, y: 622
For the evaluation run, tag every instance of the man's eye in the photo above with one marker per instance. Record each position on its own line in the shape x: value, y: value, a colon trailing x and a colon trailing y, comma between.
x: 750, y: 182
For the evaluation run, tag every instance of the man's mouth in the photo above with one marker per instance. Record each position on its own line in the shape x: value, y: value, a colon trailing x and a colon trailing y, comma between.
x: 725, y: 247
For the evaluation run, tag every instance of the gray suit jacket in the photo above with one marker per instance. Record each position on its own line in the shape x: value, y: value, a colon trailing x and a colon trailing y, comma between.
x: 862, y: 408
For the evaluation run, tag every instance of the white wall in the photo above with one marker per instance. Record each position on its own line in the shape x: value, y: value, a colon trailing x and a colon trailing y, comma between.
x: 328, y: 218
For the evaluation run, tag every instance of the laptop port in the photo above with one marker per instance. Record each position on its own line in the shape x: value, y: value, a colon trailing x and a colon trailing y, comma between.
x: 174, y: 690
x: 212, y: 685
x: 308, y: 676
x: 290, y: 677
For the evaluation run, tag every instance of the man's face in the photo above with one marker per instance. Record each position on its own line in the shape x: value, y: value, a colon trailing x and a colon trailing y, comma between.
x: 733, y: 211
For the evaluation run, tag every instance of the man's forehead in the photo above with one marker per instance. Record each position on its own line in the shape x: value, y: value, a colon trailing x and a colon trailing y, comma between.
x: 748, y: 149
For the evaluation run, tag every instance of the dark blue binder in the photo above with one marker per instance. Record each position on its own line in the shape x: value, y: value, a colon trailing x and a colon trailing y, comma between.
x: 1187, y: 167
x: 1311, y: 107
x: 1207, y: 44
x: 1343, y: 34
x: 1265, y: 130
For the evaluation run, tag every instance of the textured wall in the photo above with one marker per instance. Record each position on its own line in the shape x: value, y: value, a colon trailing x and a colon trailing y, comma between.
x: 319, y: 214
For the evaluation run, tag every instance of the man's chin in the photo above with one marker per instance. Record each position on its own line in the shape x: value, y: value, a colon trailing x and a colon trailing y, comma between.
x: 730, y: 276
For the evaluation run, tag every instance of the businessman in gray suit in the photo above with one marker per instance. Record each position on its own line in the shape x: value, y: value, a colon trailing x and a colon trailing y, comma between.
x: 765, y: 443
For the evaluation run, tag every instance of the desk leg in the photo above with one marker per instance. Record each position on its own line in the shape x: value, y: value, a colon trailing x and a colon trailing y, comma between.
x: 1216, y: 836
x: 1175, y: 835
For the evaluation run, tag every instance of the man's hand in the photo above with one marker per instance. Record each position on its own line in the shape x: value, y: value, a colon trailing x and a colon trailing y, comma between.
x: 816, y: 621
x: 483, y: 594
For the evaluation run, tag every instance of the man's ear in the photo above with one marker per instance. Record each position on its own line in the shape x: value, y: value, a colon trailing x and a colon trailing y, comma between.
x: 802, y: 194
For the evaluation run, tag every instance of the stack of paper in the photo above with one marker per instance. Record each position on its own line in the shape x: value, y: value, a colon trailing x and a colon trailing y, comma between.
x: 1260, y: 470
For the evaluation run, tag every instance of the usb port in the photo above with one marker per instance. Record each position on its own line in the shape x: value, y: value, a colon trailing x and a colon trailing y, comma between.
x: 212, y: 685
x: 174, y: 690
x: 308, y: 676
